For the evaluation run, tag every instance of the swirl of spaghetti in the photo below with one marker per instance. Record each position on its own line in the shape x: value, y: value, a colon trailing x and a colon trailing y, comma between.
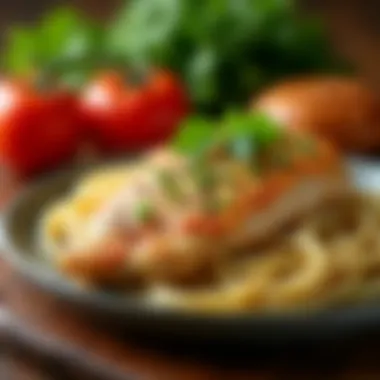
x: 332, y: 257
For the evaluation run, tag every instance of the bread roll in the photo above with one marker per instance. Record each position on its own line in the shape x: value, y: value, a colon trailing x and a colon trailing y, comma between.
x: 341, y: 109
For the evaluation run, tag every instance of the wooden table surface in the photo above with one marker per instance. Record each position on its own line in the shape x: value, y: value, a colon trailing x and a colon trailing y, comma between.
x: 48, y: 338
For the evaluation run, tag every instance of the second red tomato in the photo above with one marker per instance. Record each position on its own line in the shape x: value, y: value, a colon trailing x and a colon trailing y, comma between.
x: 124, y: 115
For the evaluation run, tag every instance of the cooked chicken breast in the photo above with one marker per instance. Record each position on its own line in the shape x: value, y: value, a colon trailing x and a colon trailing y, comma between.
x: 177, y: 219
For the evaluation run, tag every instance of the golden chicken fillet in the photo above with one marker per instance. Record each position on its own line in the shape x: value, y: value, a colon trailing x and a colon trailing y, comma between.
x: 176, y: 218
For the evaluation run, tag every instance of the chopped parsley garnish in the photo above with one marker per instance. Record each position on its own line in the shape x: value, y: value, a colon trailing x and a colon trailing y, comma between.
x: 213, y: 205
x: 199, y: 136
x: 195, y: 136
x: 171, y: 186
x: 256, y: 126
x: 244, y: 136
x: 205, y: 178
x: 144, y: 212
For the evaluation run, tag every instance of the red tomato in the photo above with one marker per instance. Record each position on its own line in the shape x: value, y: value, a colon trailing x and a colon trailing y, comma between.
x: 125, y: 116
x: 38, y: 130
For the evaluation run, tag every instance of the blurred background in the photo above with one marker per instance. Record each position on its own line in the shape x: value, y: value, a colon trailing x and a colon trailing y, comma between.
x: 25, y: 11
x: 29, y: 11
x: 352, y: 24
x: 224, y: 53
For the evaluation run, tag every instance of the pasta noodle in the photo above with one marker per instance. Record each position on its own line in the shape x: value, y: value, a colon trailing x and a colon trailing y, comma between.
x: 331, y: 257
x: 306, y: 269
x: 70, y: 217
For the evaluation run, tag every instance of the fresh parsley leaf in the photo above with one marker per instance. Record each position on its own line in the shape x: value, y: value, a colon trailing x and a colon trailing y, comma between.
x: 145, y: 27
x: 247, y: 133
x: 195, y: 135
x: 234, y: 123
x: 243, y: 133
x: 258, y: 127
x: 265, y: 129
x: 20, y: 55
x: 201, y: 74
x: 59, y: 32
x: 63, y: 44
x: 224, y: 49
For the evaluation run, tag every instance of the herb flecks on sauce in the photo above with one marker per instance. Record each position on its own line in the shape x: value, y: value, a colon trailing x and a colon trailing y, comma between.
x: 144, y: 212
x: 171, y: 185
x: 250, y: 143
